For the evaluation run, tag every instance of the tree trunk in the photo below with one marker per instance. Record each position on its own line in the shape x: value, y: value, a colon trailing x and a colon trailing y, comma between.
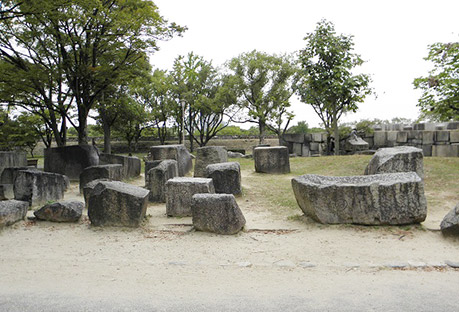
x: 336, y: 135
x: 261, y: 136
x: 107, y: 137
x: 82, y: 134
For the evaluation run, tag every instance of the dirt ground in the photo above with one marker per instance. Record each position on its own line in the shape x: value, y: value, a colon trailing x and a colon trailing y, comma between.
x: 275, y: 263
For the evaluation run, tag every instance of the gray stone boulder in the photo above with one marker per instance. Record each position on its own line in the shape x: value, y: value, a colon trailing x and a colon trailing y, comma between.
x: 149, y: 164
x: 176, y: 152
x: 157, y: 178
x: 208, y: 155
x: 179, y: 192
x: 131, y: 164
x: 12, y: 211
x: 12, y: 159
x: 381, y: 199
x: 217, y: 213
x: 70, y: 160
x: 62, y: 211
x: 235, y: 154
x: 450, y: 223
x: 6, y: 191
x: 226, y: 177
x: 37, y: 187
x: 109, y: 172
x: 397, y: 159
x: 114, y: 203
x: 89, y: 187
x: 271, y: 159
x: 7, y: 178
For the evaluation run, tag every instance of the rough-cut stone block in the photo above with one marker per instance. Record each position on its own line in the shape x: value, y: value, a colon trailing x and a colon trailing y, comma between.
x: 179, y: 192
x: 454, y: 136
x: 157, y: 178
x: 208, y: 155
x: 70, y: 160
x: 441, y: 136
x: 294, y: 137
x: 428, y: 137
x: 110, y: 172
x: 9, y: 174
x: 427, y: 150
x: 62, y: 211
x: 226, y: 177
x: 415, y: 134
x: 450, y: 223
x: 217, y: 213
x: 12, y: 159
x: 297, y: 149
x: 235, y: 155
x: 380, y: 138
x: 271, y: 159
x: 355, y: 145
x: 176, y: 152
x: 89, y: 187
x: 445, y: 150
x: 12, y: 211
x: 6, y: 191
x: 319, y: 137
x: 37, y: 187
x: 149, y: 164
x: 402, y: 137
x: 131, y: 164
x: 114, y: 203
x: 397, y: 159
x: 314, y: 147
x: 390, y: 198
x: 391, y: 138
x: 452, y: 125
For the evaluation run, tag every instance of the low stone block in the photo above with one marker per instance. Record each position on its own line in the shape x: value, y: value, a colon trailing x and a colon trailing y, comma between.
x: 114, y: 203
x: 12, y: 211
x: 314, y: 147
x: 9, y: 174
x: 428, y: 137
x: 217, y: 213
x: 381, y: 199
x: 226, y: 177
x: 131, y: 164
x: 452, y: 125
x: 391, y: 138
x: 157, y: 178
x: 445, y: 150
x: 62, y: 211
x: 427, y: 150
x: 450, y: 223
x: 297, y: 149
x: 179, y: 192
x: 454, y: 136
x: 442, y: 136
x: 271, y: 159
x: 294, y: 137
x: 70, y: 160
x: 109, y: 172
x: 209, y: 155
x: 380, y: 138
x: 12, y: 159
x: 397, y: 159
x: 402, y: 137
x: 175, y: 152
x: 37, y: 187
x: 89, y: 187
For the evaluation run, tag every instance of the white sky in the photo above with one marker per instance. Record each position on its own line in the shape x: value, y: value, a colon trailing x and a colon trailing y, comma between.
x: 392, y: 36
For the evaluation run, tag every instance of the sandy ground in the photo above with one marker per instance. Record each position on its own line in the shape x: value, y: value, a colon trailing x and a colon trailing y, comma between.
x: 274, y: 264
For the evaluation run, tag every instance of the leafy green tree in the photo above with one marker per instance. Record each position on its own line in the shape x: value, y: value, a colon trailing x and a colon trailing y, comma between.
x: 327, y: 82
x: 301, y: 127
x: 440, y: 97
x: 263, y: 84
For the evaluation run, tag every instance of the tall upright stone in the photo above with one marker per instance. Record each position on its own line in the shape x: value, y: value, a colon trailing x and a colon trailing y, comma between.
x: 176, y: 152
x: 111, y: 172
x: 131, y: 164
x: 226, y: 177
x: 70, y: 160
x: 271, y: 159
x: 157, y: 178
x: 12, y: 159
x: 208, y: 155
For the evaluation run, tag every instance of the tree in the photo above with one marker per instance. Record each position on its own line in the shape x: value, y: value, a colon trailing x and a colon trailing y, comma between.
x: 263, y: 84
x: 440, y: 97
x: 326, y: 81
x: 301, y: 127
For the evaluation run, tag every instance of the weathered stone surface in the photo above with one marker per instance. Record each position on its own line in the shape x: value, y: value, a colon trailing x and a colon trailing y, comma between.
x: 131, y: 164
x: 428, y: 137
x: 441, y: 136
x: 62, y: 211
x: 9, y: 174
x: 427, y: 150
x: 390, y: 198
x: 226, y: 177
x: 157, y: 178
x: 110, y: 172
x: 217, y: 213
x: 12, y: 159
x: 6, y: 191
x: 235, y: 155
x: 179, y: 192
x: 114, y: 203
x: 70, y: 160
x: 450, y: 223
x: 445, y: 150
x: 37, y: 187
x: 356, y: 144
x: 149, y: 164
x: 271, y: 159
x: 176, y: 152
x: 12, y: 211
x: 294, y: 137
x: 89, y: 187
x: 380, y: 138
x: 397, y: 159
x: 208, y: 155
x: 402, y: 137
x: 454, y: 136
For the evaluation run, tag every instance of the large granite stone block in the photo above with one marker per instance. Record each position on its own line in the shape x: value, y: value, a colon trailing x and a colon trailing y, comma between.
x: 176, y: 152
x: 109, y: 172
x: 380, y: 138
x: 454, y: 136
x: 131, y: 164
x: 12, y: 211
x: 450, y: 223
x: 158, y: 176
x: 226, y: 177
x: 37, y: 187
x: 271, y: 159
x: 380, y: 199
x: 62, y: 211
x: 12, y: 159
x: 208, y: 155
x: 445, y: 150
x: 149, y: 164
x: 114, y: 203
x: 441, y: 136
x: 70, y: 160
x: 428, y: 137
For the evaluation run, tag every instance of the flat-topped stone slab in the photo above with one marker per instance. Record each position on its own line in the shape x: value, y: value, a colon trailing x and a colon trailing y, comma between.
x: 397, y: 159
x: 114, y: 203
x: 70, y: 160
x: 217, y: 213
x: 271, y: 159
x: 12, y: 159
x: 12, y: 211
x: 226, y: 177
x: 179, y: 192
x: 62, y: 211
x: 157, y: 178
x: 111, y: 172
x: 381, y: 199
x: 208, y: 155
x: 131, y: 164
x: 177, y: 152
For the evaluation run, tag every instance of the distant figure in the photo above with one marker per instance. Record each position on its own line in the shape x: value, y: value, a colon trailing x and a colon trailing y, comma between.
x: 332, y: 145
x: 353, y: 135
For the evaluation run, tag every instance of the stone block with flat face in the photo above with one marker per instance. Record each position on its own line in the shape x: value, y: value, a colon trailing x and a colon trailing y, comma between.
x: 208, y: 155
x: 226, y: 177
x: 445, y: 150
x: 110, y: 172
x: 158, y: 176
x: 271, y: 159
x: 402, y: 137
x: 442, y: 136
x: 454, y: 136
x: 12, y: 211
x: 12, y: 159
x: 131, y: 164
x: 70, y: 160
x: 176, y: 152
x: 428, y: 137
x: 380, y: 138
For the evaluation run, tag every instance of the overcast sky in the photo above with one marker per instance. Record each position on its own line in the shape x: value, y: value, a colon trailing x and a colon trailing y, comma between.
x: 392, y: 36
